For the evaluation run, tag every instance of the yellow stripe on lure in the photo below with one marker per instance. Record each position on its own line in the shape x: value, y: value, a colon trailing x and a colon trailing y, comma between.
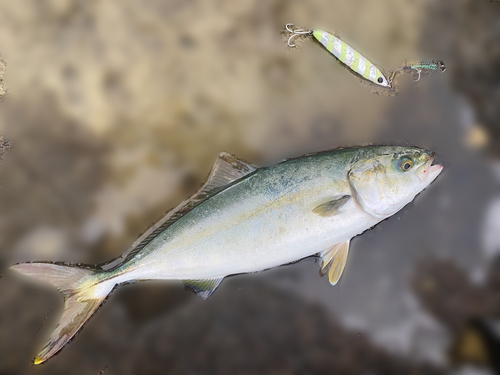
x: 345, y: 53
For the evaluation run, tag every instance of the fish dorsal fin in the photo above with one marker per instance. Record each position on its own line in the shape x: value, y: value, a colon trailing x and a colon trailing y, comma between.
x: 204, y: 288
x: 226, y: 170
x: 331, y: 208
x: 334, y: 260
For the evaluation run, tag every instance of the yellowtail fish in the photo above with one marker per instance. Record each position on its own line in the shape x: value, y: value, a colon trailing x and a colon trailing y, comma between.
x: 344, y: 53
x: 248, y: 219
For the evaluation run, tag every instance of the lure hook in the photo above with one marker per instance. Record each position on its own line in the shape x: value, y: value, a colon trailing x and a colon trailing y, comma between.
x: 419, y: 71
x: 295, y: 32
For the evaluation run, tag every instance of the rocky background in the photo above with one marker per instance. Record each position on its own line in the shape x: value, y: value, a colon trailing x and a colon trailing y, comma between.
x: 114, y: 113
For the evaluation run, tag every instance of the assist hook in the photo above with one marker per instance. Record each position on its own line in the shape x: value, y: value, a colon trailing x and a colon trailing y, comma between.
x: 406, y: 68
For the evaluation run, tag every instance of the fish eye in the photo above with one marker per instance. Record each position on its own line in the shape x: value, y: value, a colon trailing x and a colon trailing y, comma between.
x: 380, y: 80
x: 406, y: 164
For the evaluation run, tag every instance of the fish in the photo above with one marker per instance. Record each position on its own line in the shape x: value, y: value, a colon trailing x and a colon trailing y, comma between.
x: 247, y: 219
x: 351, y: 58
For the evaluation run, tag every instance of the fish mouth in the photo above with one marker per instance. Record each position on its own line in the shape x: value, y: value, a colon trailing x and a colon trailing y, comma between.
x: 429, y: 172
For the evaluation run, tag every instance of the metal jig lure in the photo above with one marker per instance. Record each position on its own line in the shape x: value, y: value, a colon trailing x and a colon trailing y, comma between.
x: 343, y: 52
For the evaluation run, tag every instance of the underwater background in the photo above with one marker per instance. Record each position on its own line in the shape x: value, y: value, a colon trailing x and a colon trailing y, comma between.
x: 114, y: 112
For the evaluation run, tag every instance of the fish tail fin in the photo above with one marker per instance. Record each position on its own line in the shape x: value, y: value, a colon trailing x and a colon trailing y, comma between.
x: 83, y: 290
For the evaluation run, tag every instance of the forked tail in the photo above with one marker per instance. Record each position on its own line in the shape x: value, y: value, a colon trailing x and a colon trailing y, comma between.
x: 83, y: 290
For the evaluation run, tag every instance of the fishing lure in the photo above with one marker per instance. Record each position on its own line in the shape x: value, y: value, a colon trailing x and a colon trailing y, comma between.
x: 421, y: 67
x: 345, y: 53
x: 358, y: 63
x: 432, y: 66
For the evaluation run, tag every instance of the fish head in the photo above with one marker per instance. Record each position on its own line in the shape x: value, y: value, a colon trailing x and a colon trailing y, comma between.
x: 385, y: 179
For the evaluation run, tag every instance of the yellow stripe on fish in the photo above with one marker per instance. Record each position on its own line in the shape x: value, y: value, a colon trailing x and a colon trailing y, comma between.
x: 352, y: 58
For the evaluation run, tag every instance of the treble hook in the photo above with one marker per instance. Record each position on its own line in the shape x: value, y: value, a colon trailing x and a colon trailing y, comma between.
x: 295, y: 32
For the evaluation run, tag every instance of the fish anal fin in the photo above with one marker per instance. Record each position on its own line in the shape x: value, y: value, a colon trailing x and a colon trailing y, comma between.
x: 205, y: 287
x: 334, y: 261
x: 331, y: 208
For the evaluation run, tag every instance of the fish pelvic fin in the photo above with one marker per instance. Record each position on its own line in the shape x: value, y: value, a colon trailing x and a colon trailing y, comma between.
x: 83, y: 290
x: 334, y: 261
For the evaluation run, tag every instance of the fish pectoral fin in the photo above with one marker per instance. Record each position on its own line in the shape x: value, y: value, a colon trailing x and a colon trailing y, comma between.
x: 331, y: 208
x: 205, y: 287
x: 334, y: 261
